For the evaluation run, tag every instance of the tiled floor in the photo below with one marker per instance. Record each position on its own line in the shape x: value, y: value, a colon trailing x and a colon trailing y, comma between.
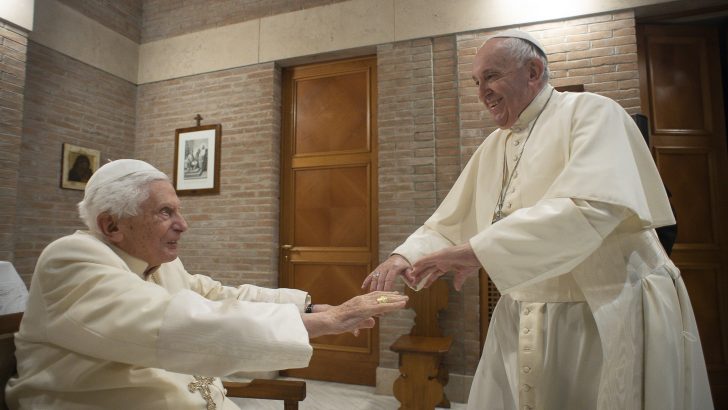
x: 334, y: 396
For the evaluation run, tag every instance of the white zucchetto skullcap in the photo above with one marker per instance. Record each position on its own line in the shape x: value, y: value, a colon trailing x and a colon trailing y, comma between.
x: 114, y: 170
x: 523, y: 36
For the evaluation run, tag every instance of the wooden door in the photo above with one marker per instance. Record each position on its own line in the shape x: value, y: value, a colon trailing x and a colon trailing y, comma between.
x: 682, y: 96
x: 329, y: 202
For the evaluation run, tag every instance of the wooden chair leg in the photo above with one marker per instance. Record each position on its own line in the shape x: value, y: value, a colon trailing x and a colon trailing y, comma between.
x: 290, y: 405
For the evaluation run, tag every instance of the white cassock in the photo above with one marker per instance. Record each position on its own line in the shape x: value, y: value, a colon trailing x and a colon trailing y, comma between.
x: 96, y: 335
x: 594, y: 315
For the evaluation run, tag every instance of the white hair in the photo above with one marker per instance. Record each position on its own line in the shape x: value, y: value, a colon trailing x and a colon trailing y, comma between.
x: 523, y: 51
x: 120, y: 198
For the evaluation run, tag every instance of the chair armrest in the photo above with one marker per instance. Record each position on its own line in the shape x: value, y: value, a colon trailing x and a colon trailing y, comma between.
x: 287, y: 390
x: 10, y: 323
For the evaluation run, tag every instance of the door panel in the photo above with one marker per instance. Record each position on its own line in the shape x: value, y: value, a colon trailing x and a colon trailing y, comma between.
x: 701, y: 280
x: 320, y: 100
x: 328, y: 202
x: 688, y: 170
x: 685, y: 80
x: 316, y: 278
x: 331, y: 207
x: 681, y: 93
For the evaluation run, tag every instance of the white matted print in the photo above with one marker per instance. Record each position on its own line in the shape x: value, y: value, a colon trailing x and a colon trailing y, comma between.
x: 197, y: 160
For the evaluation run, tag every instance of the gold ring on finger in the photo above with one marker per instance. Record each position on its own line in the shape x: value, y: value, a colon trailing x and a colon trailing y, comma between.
x: 382, y: 299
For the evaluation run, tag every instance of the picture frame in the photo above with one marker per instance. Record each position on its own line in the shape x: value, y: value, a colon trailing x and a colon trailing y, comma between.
x: 77, y: 166
x: 197, y: 159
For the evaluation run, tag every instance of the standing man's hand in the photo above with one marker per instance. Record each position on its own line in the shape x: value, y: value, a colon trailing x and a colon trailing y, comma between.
x: 460, y: 260
x: 383, y: 277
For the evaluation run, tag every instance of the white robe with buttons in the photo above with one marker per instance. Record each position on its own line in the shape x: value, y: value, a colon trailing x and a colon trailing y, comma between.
x: 96, y: 335
x: 593, y: 314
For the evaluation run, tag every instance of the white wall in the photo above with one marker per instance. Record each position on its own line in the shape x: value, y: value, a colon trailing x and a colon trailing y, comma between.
x: 325, y: 29
x: 18, y: 12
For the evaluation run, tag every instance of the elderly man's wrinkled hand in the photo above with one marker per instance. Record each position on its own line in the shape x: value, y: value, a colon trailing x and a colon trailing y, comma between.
x: 384, y: 276
x: 354, y: 314
x: 376, y: 303
x: 369, y: 306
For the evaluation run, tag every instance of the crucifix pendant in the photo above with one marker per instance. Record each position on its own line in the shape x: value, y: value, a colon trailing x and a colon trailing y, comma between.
x: 203, y: 385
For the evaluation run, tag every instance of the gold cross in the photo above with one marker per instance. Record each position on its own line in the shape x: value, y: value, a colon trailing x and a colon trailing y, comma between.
x: 202, y: 384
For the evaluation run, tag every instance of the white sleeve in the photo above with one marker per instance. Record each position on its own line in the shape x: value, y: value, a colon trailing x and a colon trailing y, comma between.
x: 214, y: 290
x: 543, y: 241
x: 423, y: 241
x: 200, y: 336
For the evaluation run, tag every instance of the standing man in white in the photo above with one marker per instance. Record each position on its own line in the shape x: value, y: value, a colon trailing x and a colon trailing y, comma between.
x: 559, y: 206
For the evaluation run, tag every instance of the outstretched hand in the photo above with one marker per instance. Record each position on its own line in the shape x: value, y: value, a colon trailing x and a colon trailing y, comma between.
x: 460, y: 260
x: 354, y: 314
x: 383, y: 277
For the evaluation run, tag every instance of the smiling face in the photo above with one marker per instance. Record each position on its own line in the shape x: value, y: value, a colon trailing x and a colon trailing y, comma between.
x: 153, y: 233
x: 505, y: 86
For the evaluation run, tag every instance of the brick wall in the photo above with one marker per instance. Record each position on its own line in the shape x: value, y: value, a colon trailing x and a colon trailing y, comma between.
x: 406, y: 158
x: 233, y: 235
x: 168, y: 18
x: 13, y: 51
x: 65, y: 101
x: 447, y: 141
x: 122, y: 16
x: 419, y: 159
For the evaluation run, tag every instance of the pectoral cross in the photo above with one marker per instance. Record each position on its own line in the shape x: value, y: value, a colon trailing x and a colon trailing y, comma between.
x: 497, y: 216
x: 202, y: 384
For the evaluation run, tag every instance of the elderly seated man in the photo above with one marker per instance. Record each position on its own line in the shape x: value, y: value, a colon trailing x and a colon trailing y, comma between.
x: 114, y: 321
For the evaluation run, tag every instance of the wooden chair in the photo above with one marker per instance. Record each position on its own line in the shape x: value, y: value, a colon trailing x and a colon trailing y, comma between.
x: 423, y: 374
x: 289, y: 391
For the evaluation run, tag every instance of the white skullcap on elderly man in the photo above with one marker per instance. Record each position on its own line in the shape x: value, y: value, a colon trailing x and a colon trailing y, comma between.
x: 114, y: 170
x: 109, y: 190
x: 513, y: 33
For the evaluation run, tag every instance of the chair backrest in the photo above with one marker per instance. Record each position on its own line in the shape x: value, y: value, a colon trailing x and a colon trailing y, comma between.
x: 427, y: 304
x: 9, y: 325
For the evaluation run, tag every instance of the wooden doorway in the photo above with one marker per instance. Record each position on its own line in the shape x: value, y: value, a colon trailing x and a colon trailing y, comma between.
x: 329, y: 228
x: 681, y: 93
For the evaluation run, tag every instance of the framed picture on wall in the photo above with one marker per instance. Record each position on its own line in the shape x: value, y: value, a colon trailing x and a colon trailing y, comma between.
x: 77, y: 166
x: 197, y: 160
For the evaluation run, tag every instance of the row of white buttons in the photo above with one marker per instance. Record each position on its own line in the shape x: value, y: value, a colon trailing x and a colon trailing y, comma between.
x: 516, y: 142
x: 527, y: 359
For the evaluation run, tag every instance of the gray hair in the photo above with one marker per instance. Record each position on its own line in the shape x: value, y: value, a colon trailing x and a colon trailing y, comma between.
x: 120, y: 198
x: 523, y: 51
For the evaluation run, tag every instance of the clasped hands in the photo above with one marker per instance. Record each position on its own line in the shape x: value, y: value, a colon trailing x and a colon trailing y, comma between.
x: 359, y: 312
x: 460, y: 260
